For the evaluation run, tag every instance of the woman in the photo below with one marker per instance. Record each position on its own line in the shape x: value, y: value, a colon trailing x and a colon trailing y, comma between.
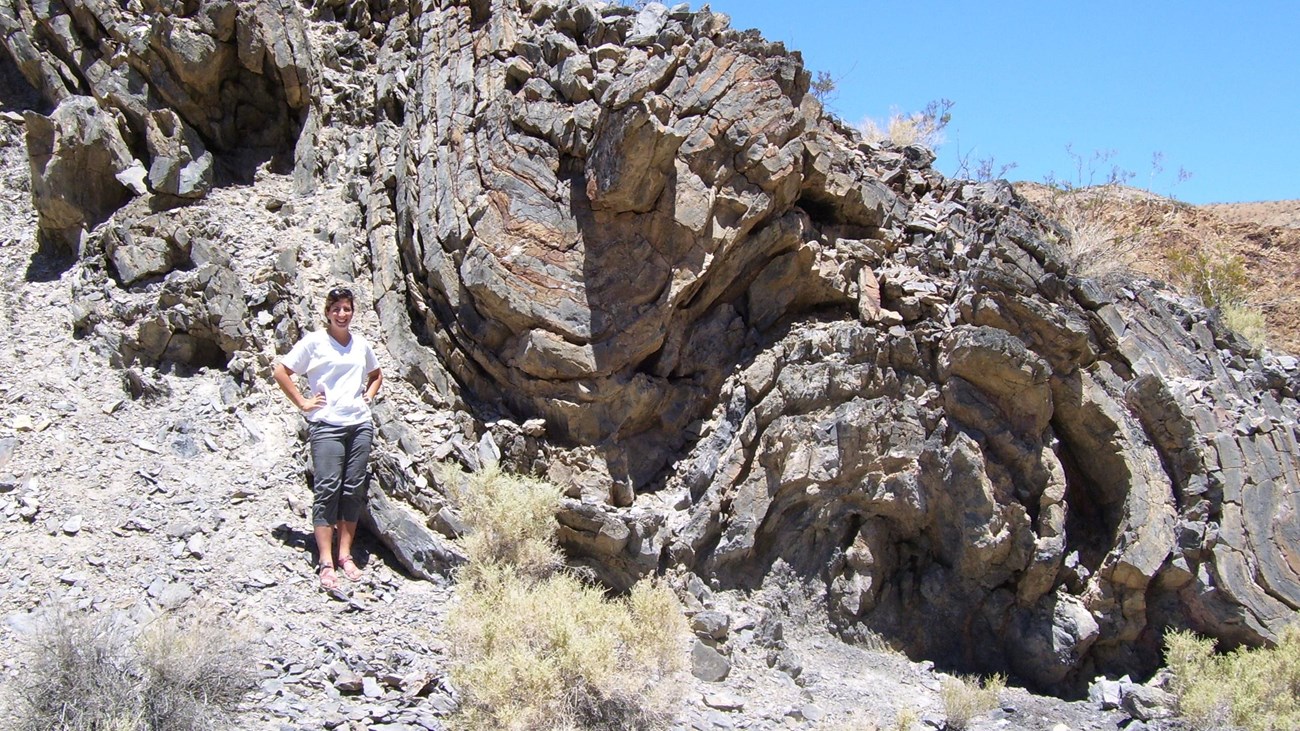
x: 342, y: 377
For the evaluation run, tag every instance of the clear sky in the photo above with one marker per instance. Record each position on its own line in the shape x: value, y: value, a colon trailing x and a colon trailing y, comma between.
x: 1213, y: 87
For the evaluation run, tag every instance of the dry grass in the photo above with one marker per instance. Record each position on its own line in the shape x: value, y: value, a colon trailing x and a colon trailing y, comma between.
x: 906, y: 719
x: 923, y: 128
x: 965, y: 698
x: 1092, y: 247
x: 1256, y: 690
x: 534, y: 646
x: 512, y: 521
x: 92, y: 673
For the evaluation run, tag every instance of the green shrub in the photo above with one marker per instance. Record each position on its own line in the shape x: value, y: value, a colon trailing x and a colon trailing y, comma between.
x: 1218, y: 276
x: 1213, y: 273
x: 94, y: 674
x: 1252, y: 689
x: 533, y: 646
x: 1247, y: 322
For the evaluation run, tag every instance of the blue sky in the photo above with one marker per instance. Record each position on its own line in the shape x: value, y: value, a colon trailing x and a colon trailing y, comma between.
x: 1214, y: 87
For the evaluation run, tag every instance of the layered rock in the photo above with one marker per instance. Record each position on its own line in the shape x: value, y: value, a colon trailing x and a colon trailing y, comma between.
x: 754, y: 341
x: 180, y: 79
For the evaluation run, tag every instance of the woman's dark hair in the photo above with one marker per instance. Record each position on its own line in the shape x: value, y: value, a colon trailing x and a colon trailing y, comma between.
x: 338, y: 294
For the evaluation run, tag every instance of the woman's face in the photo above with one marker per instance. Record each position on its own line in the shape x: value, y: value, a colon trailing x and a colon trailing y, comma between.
x: 339, y: 314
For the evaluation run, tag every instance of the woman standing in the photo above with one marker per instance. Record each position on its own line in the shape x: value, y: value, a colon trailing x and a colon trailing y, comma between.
x: 342, y: 377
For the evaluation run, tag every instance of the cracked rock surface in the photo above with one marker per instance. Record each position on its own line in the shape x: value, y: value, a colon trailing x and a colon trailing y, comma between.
x: 626, y: 249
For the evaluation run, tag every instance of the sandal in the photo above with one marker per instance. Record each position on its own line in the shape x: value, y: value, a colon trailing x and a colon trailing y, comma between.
x: 328, y: 580
x: 350, y: 569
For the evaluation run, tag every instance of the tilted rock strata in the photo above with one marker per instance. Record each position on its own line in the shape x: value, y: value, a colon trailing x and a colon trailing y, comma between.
x: 781, y: 346
x: 181, y: 79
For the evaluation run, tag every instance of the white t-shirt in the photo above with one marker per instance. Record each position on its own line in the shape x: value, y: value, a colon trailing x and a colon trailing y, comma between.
x: 338, y: 371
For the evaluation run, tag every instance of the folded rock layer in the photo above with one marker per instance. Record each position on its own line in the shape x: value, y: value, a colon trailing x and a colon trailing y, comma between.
x: 751, y: 340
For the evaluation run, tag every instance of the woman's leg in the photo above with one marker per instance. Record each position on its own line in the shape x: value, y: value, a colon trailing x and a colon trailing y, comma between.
x: 328, y: 456
x: 353, y: 493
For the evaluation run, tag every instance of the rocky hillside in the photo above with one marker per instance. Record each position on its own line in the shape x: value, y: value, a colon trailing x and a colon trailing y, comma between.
x: 626, y: 249
x: 139, y: 492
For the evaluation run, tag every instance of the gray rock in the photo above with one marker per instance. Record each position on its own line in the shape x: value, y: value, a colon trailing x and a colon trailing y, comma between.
x: 77, y: 153
x: 448, y: 523
x: 7, y: 447
x: 724, y: 701
x: 174, y: 595
x: 648, y: 23
x: 180, y: 166
x: 708, y: 664
x: 1105, y: 693
x: 348, y: 682
x: 1148, y: 704
x: 811, y: 712
x: 786, y: 661
x: 424, y: 553
x: 710, y: 625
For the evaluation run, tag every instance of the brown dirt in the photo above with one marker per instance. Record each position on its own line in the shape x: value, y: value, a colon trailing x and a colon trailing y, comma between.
x: 1265, y: 235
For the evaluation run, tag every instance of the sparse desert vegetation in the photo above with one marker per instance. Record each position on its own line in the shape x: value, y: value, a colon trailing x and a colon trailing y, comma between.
x: 97, y: 673
x: 533, y: 645
x: 923, y: 128
x: 1241, y: 270
x: 964, y: 698
x: 1252, y: 689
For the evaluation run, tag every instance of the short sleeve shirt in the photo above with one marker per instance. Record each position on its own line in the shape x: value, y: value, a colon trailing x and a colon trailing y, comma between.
x: 338, y: 371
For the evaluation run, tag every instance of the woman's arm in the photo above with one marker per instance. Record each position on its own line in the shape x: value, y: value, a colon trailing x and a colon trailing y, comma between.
x: 373, y: 382
x: 284, y: 379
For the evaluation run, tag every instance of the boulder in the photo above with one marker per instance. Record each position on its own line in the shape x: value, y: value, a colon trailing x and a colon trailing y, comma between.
x: 81, y: 167
x: 180, y: 165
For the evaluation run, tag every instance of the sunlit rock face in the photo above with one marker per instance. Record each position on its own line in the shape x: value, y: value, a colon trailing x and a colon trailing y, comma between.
x: 746, y: 341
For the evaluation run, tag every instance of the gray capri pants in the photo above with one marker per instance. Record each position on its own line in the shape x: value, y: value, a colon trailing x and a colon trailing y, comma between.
x: 339, y: 455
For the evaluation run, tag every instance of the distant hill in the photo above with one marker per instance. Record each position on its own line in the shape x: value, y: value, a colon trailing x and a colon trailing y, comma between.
x: 1265, y: 235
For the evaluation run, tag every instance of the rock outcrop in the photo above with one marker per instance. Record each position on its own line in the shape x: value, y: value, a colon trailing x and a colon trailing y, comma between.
x: 754, y: 340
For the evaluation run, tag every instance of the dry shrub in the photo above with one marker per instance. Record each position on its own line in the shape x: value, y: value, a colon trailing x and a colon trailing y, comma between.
x: 195, y: 672
x: 965, y: 698
x: 512, y: 521
x: 1092, y: 247
x: 96, y: 673
x: 79, y: 676
x: 1252, y: 689
x: 906, y: 719
x: 534, y: 646
x: 923, y: 128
